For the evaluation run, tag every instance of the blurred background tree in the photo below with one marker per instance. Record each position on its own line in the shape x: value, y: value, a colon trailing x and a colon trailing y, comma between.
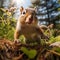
x: 47, y: 11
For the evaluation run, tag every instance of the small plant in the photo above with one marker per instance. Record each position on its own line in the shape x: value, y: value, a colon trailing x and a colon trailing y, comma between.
x: 30, y: 53
x: 7, y: 25
x: 54, y: 39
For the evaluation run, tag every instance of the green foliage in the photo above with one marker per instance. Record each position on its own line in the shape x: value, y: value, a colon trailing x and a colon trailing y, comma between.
x: 22, y: 39
x: 30, y: 53
x: 7, y: 25
x: 58, y: 25
x: 51, y: 39
x: 59, y: 9
x: 57, y: 38
x: 57, y: 50
x: 54, y: 39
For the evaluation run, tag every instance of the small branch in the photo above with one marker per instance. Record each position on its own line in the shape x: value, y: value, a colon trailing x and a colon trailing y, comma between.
x: 19, y: 57
x: 54, y: 52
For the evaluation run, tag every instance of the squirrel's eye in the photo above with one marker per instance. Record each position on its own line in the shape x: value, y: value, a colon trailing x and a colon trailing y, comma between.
x: 24, y: 12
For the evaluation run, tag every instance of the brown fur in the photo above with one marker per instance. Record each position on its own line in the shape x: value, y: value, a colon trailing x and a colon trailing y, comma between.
x: 27, y: 25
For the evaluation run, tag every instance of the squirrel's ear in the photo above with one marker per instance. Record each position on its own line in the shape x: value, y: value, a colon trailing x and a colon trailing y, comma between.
x: 21, y: 9
x: 36, y: 9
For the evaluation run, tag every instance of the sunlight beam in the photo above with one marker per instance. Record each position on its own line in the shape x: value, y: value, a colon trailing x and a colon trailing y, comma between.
x: 19, y: 1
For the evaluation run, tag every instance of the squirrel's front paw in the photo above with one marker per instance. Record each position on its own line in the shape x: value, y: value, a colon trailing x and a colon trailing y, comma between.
x: 16, y: 41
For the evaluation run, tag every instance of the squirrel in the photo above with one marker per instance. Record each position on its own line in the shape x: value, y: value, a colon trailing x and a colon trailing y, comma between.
x: 27, y: 25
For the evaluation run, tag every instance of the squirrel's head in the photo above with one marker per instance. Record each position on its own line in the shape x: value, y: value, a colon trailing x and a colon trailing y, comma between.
x: 29, y: 14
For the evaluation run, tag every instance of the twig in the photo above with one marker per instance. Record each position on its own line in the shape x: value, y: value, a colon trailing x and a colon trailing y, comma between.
x: 54, y: 52
x: 19, y: 57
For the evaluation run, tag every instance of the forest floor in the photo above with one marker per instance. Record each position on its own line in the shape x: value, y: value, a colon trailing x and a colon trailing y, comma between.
x: 14, y: 51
